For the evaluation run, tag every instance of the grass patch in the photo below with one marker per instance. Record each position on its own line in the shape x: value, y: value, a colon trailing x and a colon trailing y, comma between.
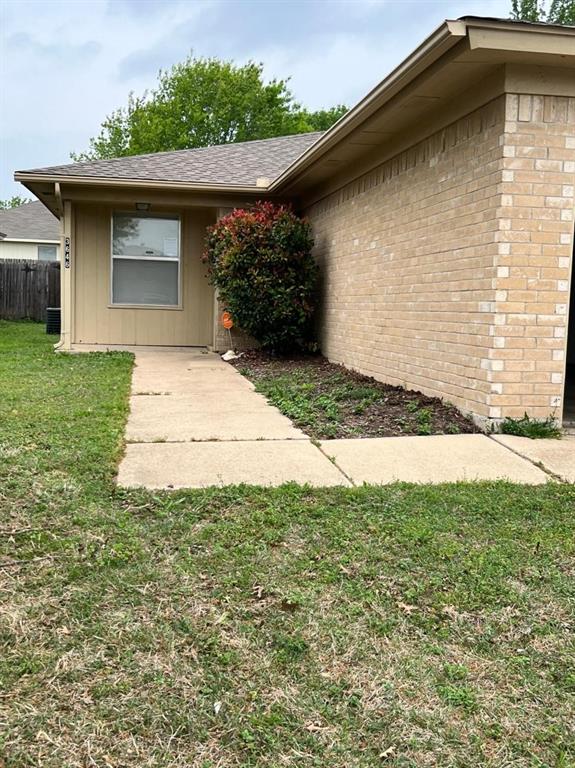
x: 404, y: 626
x: 533, y: 428
x: 329, y: 401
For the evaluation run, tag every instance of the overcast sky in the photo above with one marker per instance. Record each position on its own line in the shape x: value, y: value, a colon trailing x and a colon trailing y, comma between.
x: 65, y: 65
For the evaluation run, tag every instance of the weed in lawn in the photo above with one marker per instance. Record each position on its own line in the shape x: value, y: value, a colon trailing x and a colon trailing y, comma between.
x: 533, y: 428
x: 423, y: 416
x: 289, y: 648
x: 458, y: 696
x: 454, y: 672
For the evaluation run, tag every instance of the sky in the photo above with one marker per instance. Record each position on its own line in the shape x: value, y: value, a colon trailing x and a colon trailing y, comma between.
x: 66, y: 64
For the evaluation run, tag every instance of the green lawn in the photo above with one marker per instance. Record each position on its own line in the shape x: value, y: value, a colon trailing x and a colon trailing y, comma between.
x: 404, y: 626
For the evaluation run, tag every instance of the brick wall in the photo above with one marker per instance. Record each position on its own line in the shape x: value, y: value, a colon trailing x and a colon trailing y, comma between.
x: 535, y: 246
x: 235, y: 339
x: 407, y: 254
x: 426, y: 263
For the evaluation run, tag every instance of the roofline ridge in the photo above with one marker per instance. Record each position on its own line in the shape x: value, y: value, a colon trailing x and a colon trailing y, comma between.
x: 170, y: 152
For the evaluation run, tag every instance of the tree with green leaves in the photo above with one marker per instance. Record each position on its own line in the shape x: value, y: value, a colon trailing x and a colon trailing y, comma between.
x: 527, y: 10
x: 201, y: 102
x: 13, y: 202
x: 560, y: 11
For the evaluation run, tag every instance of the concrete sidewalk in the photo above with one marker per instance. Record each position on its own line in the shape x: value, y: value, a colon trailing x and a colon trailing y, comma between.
x: 430, y: 459
x: 205, y: 464
x: 556, y: 456
x: 180, y: 397
x: 196, y: 422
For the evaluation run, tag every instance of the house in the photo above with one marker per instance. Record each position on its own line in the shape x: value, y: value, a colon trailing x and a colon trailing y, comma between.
x: 442, y: 207
x: 29, y: 231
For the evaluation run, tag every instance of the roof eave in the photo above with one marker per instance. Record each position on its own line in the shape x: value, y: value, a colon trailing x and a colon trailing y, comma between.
x: 445, y: 37
x: 37, y: 178
x: 449, y: 34
x: 544, y: 27
x: 439, y: 42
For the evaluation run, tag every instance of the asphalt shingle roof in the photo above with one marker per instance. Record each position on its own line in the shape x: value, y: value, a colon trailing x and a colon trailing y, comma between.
x: 237, y: 164
x: 31, y: 221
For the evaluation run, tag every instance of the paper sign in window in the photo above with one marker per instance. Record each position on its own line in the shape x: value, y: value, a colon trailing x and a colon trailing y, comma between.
x: 171, y: 247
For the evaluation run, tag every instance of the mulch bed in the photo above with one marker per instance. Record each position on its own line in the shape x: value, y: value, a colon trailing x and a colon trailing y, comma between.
x: 329, y: 401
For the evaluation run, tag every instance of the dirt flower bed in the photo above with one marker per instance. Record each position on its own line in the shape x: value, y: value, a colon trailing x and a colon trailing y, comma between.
x: 329, y: 401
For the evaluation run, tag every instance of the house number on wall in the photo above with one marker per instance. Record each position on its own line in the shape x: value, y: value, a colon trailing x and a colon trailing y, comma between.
x: 67, y: 253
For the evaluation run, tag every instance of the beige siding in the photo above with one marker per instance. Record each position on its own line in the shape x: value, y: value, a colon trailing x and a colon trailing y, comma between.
x: 15, y: 250
x: 97, y: 322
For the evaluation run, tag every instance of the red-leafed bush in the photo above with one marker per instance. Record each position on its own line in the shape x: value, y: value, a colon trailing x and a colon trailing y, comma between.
x: 260, y: 261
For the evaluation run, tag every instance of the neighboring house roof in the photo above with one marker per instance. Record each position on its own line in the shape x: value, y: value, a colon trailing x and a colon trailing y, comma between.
x: 31, y: 221
x: 239, y: 164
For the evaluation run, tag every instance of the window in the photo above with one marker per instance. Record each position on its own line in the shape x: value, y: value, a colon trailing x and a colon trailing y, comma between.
x: 47, y: 253
x: 145, y: 260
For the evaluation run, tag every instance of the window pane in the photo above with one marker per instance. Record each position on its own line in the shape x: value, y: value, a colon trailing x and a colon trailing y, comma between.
x: 145, y: 282
x: 47, y: 253
x: 145, y: 236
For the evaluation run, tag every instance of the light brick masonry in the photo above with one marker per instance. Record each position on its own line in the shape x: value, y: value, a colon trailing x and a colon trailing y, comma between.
x: 447, y: 268
x: 535, y: 246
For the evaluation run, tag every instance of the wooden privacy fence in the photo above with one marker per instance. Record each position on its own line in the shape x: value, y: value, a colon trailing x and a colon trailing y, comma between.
x: 27, y: 288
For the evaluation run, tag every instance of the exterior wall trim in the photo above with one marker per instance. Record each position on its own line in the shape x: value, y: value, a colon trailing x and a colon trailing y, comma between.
x: 67, y: 281
x: 31, y: 240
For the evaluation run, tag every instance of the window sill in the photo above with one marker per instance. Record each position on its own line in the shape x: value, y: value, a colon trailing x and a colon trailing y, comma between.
x: 163, y: 307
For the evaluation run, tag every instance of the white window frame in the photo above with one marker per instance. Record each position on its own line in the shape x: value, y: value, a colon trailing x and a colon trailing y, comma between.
x: 47, y: 245
x: 164, y: 259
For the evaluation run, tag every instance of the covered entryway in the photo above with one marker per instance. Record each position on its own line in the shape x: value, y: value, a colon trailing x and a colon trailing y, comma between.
x: 139, y: 278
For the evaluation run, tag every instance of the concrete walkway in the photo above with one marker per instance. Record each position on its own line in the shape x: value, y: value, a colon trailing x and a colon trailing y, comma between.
x: 556, y: 456
x: 430, y: 459
x: 196, y: 422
